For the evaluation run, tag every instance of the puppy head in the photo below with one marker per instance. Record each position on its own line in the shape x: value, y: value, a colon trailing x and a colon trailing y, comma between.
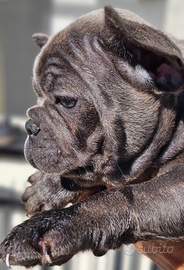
x: 107, y: 87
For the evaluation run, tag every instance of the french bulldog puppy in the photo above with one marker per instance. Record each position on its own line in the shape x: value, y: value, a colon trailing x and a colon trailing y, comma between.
x: 107, y: 135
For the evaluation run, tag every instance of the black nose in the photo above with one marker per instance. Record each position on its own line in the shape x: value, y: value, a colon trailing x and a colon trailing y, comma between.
x: 32, y: 128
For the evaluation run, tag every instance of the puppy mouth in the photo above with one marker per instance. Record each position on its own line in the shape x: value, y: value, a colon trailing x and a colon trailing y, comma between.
x: 70, y: 185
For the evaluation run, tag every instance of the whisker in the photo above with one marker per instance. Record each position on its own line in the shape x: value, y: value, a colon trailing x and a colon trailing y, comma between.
x: 120, y: 169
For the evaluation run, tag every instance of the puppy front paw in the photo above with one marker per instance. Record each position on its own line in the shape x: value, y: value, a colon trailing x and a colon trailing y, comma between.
x: 35, y: 242
x: 45, y: 193
x: 19, y: 247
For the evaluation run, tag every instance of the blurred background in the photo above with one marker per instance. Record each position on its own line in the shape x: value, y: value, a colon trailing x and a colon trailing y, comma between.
x: 19, y: 19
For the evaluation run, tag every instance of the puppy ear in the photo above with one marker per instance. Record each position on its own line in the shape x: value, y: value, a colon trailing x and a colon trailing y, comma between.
x: 40, y: 39
x: 152, y: 56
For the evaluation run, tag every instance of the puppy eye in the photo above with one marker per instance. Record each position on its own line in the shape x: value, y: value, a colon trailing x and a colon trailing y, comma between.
x: 67, y: 102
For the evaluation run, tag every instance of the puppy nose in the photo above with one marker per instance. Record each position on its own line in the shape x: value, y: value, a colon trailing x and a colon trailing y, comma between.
x: 32, y: 128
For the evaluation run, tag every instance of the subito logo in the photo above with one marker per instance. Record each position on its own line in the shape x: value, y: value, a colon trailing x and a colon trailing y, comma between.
x: 129, y: 249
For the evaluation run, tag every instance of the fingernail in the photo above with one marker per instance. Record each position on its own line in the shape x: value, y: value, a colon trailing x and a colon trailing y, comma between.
x: 48, y: 253
x: 48, y: 250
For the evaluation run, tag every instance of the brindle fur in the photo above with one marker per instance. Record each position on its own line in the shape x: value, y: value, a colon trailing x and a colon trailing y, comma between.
x: 117, y: 154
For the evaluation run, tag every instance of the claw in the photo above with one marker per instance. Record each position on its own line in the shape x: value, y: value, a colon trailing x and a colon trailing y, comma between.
x: 47, y: 254
x: 7, y: 260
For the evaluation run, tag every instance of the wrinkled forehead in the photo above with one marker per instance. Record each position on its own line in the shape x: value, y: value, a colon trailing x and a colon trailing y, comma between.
x: 52, y: 69
x: 67, y: 55
x: 75, y: 52
x: 91, y: 23
x: 62, y: 69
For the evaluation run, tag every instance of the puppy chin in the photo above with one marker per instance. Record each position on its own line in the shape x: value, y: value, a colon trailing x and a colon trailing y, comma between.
x: 30, y: 160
